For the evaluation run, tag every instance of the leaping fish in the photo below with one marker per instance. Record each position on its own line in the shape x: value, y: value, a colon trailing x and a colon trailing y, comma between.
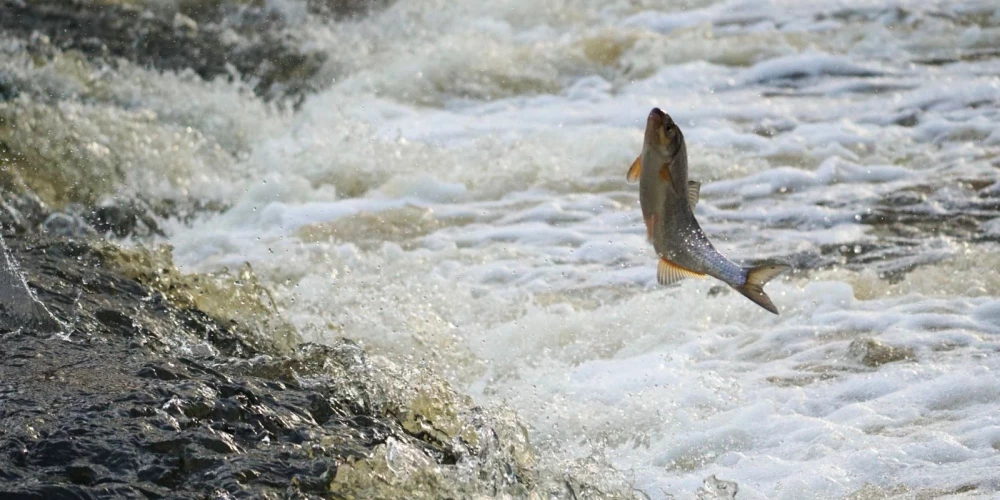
x: 668, y: 198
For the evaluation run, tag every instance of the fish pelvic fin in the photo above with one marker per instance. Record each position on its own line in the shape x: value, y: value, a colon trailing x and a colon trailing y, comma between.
x: 634, y: 171
x: 668, y: 273
x: 757, y: 277
x: 694, y: 192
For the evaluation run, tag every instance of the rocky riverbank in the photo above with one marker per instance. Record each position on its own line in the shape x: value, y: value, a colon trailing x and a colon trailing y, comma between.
x: 145, y: 395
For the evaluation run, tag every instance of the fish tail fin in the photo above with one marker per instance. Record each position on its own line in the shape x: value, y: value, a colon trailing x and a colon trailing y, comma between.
x: 757, y: 277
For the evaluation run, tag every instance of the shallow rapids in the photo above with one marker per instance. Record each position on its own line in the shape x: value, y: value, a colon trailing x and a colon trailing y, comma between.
x: 454, y: 194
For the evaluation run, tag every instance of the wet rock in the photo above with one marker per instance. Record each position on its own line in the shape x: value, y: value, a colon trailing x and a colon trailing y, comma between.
x: 123, y: 218
x: 990, y: 229
x: 67, y: 226
x: 870, y: 491
x: 144, y: 395
x: 990, y: 189
x: 903, y: 222
x: 714, y: 488
x: 85, y: 474
x: 19, y: 308
x: 157, y: 36
x: 968, y: 198
x: 337, y: 9
x: 907, y: 119
x: 8, y: 87
x: 871, y: 352
x: 21, y: 212
x: 790, y: 72
x: 771, y: 128
x: 587, y: 479
x: 236, y: 299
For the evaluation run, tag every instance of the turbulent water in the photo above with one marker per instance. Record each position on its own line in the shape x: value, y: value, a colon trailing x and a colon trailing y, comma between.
x: 455, y: 194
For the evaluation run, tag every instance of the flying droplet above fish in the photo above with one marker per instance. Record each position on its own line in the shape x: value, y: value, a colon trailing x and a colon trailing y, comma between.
x: 668, y: 199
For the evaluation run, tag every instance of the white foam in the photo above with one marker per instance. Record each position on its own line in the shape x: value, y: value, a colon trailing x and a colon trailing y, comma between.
x: 533, y: 283
x: 667, y: 22
x: 809, y: 64
x: 787, y: 179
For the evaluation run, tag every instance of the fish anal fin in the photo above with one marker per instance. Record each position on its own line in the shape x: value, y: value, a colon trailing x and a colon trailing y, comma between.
x: 757, y: 277
x: 694, y: 192
x: 635, y: 170
x: 668, y: 273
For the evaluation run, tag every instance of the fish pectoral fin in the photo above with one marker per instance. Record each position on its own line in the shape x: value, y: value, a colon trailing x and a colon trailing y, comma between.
x: 665, y: 174
x: 635, y: 170
x: 668, y: 273
x: 694, y: 191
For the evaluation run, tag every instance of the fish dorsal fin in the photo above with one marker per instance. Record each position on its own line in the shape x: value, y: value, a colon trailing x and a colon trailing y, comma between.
x: 694, y: 191
x: 635, y: 170
x: 667, y: 272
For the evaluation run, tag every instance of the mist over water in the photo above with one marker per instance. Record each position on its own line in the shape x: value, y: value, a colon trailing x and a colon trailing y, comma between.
x: 454, y: 195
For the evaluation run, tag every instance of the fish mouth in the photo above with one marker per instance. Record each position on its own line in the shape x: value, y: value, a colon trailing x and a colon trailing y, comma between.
x: 657, y: 117
x: 662, y: 134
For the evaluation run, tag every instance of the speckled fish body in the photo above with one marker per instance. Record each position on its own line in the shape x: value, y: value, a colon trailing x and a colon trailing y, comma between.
x: 667, y: 199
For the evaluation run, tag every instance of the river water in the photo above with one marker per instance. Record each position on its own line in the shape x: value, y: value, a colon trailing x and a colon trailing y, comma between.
x: 454, y: 196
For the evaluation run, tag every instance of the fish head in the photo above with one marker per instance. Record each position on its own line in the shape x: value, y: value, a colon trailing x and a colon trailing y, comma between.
x: 663, y: 136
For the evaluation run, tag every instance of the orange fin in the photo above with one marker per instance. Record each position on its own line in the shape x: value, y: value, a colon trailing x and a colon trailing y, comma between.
x: 665, y: 173
x: 650, y: 225
x: 635, y: 170
x: 667, y: 272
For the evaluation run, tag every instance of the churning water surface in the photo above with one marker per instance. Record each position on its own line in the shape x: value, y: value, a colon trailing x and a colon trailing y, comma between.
x: 455, y: 195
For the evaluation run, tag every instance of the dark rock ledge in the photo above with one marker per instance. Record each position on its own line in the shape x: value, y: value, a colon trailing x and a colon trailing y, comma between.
x: 145, y: 395
x: 214, y: 38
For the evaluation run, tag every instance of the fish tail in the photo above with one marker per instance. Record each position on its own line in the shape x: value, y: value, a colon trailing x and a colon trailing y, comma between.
x: 757, y: 277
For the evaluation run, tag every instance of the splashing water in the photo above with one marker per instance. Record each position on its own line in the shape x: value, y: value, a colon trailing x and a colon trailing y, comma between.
x: 455, y: 196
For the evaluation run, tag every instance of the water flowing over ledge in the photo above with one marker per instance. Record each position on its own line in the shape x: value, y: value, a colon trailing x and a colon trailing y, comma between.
x: 142, y: 394
x: 442, y: 184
